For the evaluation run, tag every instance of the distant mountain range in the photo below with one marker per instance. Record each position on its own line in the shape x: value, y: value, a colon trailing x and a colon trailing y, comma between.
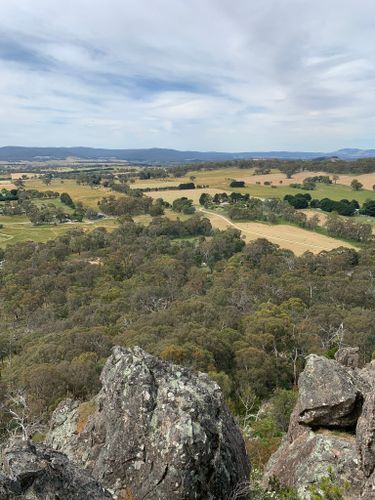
x: 160, y: 155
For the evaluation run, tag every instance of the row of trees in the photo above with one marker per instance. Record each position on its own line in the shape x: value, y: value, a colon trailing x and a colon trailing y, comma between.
x: 304, y: 200
x: 8, y: 195
x: 342, y: 207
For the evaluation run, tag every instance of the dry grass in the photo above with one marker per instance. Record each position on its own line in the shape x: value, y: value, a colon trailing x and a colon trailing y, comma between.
x: 155, y: 183
x: 368, y: 180
x: 18, y: 229
x: 219, y: 181
x: 87, y: 195
x: 7, y: 185
x: 293, y: 238
x: 310, y: 213
x: 84, y: 412
x: 192, y: 194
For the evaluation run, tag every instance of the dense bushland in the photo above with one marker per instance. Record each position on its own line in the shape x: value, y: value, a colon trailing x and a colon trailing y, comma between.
x: 246, y: 314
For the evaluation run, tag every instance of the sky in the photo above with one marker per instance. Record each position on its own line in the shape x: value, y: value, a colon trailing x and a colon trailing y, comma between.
x: 224, y: 75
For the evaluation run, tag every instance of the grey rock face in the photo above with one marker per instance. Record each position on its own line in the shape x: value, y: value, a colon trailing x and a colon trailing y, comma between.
x: 38, y: 473
x: 301, y: 463
x: 329, y: 394
x: 365, y: 434
x: 333, y: 398
x: 154, y: 431
x: 348, y: 356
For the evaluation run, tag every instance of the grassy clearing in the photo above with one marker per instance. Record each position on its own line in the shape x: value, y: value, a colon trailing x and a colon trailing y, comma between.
x: 52, y: 201
x: 192, y: 194
x: 87, y: 195
x: 5, y: 184
x: 322, y: 191
x: 20, y: 229
x: 291, y: 237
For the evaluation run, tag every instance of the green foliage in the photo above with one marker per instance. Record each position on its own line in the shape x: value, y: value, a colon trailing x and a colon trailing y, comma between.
x: 348, y: 229
x: 183, y: 205
x: 330, y: 487
x: 187, y: 185
x: 368, y: 208
x: 67, y: 200
x: 282, y: 404
x: 356, y: 185
x: 299, y: 200
x: 126, y: 205
x: 237, y: 184
x: 246, y: 314
x: 8, y: 195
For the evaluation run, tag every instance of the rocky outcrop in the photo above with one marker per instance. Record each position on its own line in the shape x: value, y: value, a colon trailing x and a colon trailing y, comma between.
x: 36, y: 472
x: 365, y: 433
x: 348, y: 356
x: 154, y: 431
x: 329, y: 394
x: 300, y: 463
x: 332, y: 426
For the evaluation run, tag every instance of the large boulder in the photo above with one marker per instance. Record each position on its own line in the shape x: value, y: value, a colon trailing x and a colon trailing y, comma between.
x: 302, y: 463
x: 365, y: 433
x: 36, y: 472
x: 331, y: 427
x: 329, y: 394
x: 154, y: 431
x: 348, y: 356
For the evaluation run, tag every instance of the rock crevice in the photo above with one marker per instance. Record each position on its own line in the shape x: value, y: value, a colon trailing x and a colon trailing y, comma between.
x: 332, y: 425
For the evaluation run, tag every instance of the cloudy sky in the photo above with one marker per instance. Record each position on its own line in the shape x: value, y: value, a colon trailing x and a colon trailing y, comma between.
x: 227, y: 75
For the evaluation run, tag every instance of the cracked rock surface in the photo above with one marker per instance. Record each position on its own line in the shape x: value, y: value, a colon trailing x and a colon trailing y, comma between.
x: 332, y: 426
x: 36, y: 472
x: 154, y: 431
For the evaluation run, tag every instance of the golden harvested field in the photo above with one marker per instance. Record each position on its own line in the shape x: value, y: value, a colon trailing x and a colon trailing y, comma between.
x: 155, y: 183
x: 368, y: 180
x: 17, y: 175
x: 192, y: 194
x: 220, y: 179
x: 87, y: 195
x: 310, y: 213
x: 293, y: 238
x: 6, y: 185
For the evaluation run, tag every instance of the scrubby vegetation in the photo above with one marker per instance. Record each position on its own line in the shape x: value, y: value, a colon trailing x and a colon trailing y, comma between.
x: 246, y: 314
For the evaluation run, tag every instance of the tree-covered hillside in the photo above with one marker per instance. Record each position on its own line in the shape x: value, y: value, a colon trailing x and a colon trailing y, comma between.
x: 247, y: 315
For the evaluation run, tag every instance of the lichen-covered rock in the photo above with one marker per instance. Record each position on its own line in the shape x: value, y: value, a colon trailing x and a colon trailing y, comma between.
x: 154, y: 431
x: 332, y: 399
x: 306, y: 460
x: 329, y: 394
x: 348, y: 356
x: 365, y: 433
x: 368, y: 491
x: 36, y: 472
x: 296, y: 429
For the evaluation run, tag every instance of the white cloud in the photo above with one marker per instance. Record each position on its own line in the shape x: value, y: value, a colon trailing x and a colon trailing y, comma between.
x: 265, y: 74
